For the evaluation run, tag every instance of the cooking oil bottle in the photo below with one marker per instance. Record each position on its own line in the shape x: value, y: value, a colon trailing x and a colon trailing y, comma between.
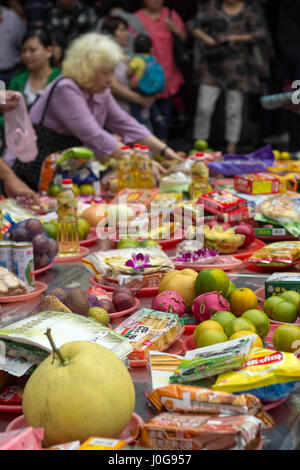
x: 200, y: 175
x: 135, y: 166
x: 145, y: 168
x: 67, y: 231
x: 125, y: 168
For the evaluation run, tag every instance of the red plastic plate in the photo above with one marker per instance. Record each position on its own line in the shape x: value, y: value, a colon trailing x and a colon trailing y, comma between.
x: 123, y: 313
x: 221, y: 263
x: 91, y: 239
x: 242, y: 253
x: 37, y: 272
x: 144, y: 292
x: 40, y: 287
x: 15, y: 409
x: 72, y: 259
x: 267, y: 269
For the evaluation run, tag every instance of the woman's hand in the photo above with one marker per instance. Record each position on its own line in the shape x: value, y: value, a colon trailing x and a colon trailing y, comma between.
x: 12, y: 99
x: 15, y: 187
x: 172, y: 27
x: 209, y: 41
x: 158, y: 172
x: 147, y: 101
x: 171, y: 155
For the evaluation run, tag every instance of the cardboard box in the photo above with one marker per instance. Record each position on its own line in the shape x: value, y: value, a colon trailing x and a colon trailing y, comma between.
x: 270, y: 232
x: 257, y: 183
x: 221, y: 202
x: 278, y: 283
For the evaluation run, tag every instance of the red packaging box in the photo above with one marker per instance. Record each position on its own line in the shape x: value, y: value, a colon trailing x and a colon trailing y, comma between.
x: 257, y: 183
x: 221, y: 202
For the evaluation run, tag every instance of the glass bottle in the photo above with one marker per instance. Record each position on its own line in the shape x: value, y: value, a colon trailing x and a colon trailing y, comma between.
x: 67, y: 232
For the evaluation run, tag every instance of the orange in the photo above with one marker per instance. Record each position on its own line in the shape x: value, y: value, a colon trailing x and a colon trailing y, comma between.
x: 212, y: 280
x: 257, y: 342
x: 223, y: 318
x: 206, y: 325
x: 286, y: 338
x: 209, y: 337
x: 270, y: 303
x: 285, y: 312
x: 259, y: 319
x: 239, y: 324
x: 241, y: 300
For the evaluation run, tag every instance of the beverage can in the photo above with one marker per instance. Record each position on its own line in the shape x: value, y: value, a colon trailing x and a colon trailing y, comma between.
x: 6, y: 255
x: 23, y: 263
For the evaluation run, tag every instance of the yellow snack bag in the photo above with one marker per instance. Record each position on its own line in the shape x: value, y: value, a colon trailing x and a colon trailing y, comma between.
x: 267, y: 374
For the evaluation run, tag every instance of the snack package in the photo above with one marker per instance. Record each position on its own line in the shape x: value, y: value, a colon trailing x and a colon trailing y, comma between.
x: 100, y: 443
x: 276, y: 254
x: 148, y: 330
x: 22, y: 439
x: 212, y: 360
x: 133, y: 264
x: 66, y: 446
x: 175, y: 431
x: 12, y: 395
x: 267, y: 374
x: 221, y: 202
x: 282, y: 210
x: 257, y: 183
x: 11, y: 285
x: 131, y: 196
x: 187, y: 399
x: 160, y: 366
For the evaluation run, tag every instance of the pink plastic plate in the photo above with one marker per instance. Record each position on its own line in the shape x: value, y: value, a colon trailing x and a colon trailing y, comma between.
x: 176, y: 348
x: 224, y: 262
x: 166, y: 244
x: 72, y: 259
x: 37, y: 272
x: 144, y: 292
x: 15, y: 409
x: 90, y: 239
x: 136, y: 420
x: 242, y: 253
x: 269, y: 405
x: 40, y: 287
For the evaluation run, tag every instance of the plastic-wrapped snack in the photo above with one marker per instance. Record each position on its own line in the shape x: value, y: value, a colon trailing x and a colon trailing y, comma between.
x: 276, y: 254
x: 269, y: 375
x: 283, y: 210
x: 189, y: 399
x: 10, y: 284
x: 100, y: 443
x: 23, y: 439
x: 212, y: 360
x: 149, y: 330
x: 175, y: 431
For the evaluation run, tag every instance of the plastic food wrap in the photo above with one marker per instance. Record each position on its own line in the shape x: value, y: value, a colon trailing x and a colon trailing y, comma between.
x: 126, y: 265
x: 276, y: 254
x: 283, y: 211
x: 23, y: 439
x: 187, y: 399
x: 269, y: 375
x: 221, y: 201
x: 149, y: 330
x: 175, y: 431
x: 212, y: 360
x: 10, y: 284
x: 99, y: 443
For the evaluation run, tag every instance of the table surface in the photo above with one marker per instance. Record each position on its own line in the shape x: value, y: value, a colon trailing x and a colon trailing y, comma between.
x: 286, y: 434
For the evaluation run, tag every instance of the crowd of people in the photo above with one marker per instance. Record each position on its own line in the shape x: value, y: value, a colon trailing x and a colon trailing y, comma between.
x: 107, y: 72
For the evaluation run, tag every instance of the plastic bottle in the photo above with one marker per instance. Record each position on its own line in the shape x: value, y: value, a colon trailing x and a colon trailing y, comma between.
x: 200, y: 175
x: 1, y: 225
x: 125, y: 168
x: 136, y: 158
x: 67, y: 232
x: 145, y: 168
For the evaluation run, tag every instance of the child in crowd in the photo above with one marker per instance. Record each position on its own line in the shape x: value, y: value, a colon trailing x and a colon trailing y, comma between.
x: 147, y: 77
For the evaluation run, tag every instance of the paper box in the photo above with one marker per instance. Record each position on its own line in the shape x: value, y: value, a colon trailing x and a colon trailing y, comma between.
x: 257, y: 183
x: 281, y: 282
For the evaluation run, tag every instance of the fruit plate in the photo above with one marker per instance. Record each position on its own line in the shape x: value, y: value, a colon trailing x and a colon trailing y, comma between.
x: 276, y: 238
x: 40, y: 287
x: 260, y: 294
x: 224, y: 262
x: 123, y: 313
x: 72, y: 259
x: 91, y: 239
x: 144, y: 292
x: 242, y: 253
x: 165, y: 244
x: 176, y: 348
x: 37, y: 272
x: 136, y: 420
x: 15, y: 409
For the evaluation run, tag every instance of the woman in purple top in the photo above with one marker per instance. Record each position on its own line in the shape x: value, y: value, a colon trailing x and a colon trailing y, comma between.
x: 82, y: 107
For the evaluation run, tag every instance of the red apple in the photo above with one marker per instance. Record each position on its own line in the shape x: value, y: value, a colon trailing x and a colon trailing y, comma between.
x: 247, y: 230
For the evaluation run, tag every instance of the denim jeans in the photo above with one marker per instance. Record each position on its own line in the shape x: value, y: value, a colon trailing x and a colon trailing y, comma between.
x: 161, y: 117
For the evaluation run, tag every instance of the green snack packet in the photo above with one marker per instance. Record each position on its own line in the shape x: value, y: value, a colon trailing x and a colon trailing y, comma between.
x: 213, y: 360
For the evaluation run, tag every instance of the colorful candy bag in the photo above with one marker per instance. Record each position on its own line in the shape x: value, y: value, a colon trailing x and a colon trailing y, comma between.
x: 187, y: 399
x: 213, y: 360
x: 269, y: 375
x: 276, y: 254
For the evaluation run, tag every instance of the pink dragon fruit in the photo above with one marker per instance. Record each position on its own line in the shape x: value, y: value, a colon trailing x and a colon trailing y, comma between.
x: 205, y: 305
x: 169, y: 301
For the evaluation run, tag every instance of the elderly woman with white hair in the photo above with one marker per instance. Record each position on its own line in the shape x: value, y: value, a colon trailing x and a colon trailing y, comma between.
x: 78, y: 109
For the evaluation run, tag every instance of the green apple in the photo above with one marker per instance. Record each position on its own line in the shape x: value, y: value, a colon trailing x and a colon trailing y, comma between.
x: 200, y: 145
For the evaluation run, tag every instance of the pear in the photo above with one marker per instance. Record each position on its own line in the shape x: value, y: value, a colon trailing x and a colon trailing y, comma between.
x: 81, y: 390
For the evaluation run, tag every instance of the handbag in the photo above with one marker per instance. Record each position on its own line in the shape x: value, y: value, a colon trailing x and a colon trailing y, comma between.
x: 48, y: 141
x: 181, y: 56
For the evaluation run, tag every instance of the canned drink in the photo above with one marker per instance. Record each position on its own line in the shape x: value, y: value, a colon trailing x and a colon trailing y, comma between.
x: 23, y: 263
x: 6, y: 255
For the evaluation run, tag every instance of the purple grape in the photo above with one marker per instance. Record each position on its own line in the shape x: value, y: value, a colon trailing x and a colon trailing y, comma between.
x: 42, y: 261
x: 40, y: 244
x: 19, y: 235
x: 52, y: 248
x: 34, y: 227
